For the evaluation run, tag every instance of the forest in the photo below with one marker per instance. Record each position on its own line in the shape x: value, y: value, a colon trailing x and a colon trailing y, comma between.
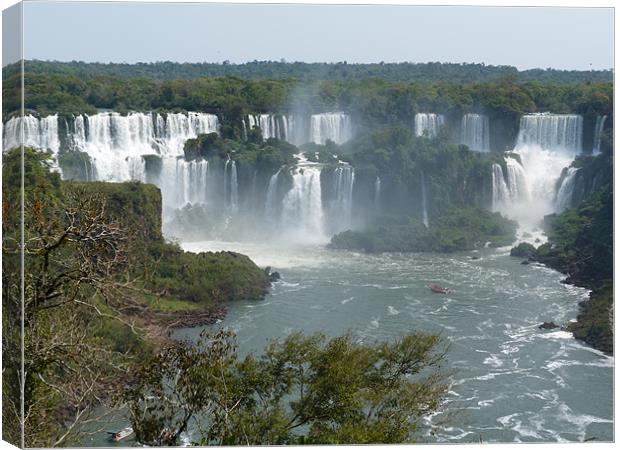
x: 257, y: 70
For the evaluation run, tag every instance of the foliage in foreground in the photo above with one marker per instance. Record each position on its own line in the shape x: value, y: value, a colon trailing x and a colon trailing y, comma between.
x: 455, y: 230
x: 76, y: 345
x: 303, y: 389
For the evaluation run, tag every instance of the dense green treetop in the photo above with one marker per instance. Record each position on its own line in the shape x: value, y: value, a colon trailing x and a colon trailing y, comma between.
x: 302, y: 390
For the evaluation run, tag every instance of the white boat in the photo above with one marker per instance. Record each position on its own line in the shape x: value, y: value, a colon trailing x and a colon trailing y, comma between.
x: 117, y: 436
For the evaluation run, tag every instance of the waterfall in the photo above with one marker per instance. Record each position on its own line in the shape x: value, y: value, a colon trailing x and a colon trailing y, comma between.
x: 178, y: 128
x: 546, y: 145
x: 226, y: 184
x: 428, y: 124
x: 183, y: 182
x: 475, y: 132
x: 565, y: 192
x: 335, y: 127
x: 424, y: 210
x: 272, y: 126
x: 341, y: 206
x: 41, y: 134
x: 378, y: 193
x: 244, y: 131
x: 500, y: 194
x: 516, y: 180
x: 302, y: 209
x: 234, y: 188
x: 598, y: 132
x: 271, y: 198
x: 78, y: 136
x: 116, y: 143
x: 557, y: 132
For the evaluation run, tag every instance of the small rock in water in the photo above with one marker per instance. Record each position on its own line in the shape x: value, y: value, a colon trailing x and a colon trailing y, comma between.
x: 274, y: 276
x: 525, y: 262
x: 548, y: 326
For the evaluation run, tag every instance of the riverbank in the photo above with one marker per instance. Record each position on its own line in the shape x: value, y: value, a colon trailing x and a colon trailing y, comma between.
x: 581, y: 246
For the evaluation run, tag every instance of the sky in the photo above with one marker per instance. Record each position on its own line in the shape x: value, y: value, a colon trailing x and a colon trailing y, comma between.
x: 562, y: 38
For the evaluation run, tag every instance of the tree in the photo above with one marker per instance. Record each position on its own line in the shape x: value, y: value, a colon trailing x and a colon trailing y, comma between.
x: 72, y: 294
x: 303, y: 389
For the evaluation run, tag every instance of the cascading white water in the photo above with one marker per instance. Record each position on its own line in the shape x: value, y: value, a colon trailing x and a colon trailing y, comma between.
x: 271, y: 198
x: 344, y: 177
x: 565, y: 192
x: 546, y: 144
x: 428, y: 124
x: 516, y: 181
x: 183, y: 182
x: 557, y: 132
x: 271, y: 125
x: 149, y: 147
x: 234, y: 189
x: 302, y: 208
x: 41, y: 133
x: 475, y: 132
x: 116, y: 143
x: 378, y: 193
x: 424, y: 210
x: 598, y: 132
x: 334, y: 126
x: 178, y: 128
x: 500, y: 194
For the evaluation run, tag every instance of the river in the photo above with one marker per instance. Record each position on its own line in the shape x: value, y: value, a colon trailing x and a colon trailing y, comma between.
x: 512, y: 382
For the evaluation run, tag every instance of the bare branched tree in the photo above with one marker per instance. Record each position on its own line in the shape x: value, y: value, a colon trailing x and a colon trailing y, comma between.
x: 76, y: 284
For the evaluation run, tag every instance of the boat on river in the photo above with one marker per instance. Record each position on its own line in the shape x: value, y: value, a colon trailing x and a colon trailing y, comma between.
x: 117, y: 436
x: 438, y: 289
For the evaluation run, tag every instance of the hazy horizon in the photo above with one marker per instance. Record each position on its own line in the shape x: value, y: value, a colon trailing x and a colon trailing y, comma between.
x: 561, y: 38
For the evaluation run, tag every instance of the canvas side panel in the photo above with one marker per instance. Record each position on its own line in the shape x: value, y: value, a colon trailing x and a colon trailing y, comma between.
x: 12, y: 165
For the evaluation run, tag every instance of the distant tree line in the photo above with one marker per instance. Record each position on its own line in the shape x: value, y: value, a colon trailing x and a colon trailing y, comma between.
x: 259, y: 70
x: 373, y: 102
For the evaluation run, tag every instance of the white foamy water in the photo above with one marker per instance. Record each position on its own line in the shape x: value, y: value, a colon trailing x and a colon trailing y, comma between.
x: 546, y: 145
